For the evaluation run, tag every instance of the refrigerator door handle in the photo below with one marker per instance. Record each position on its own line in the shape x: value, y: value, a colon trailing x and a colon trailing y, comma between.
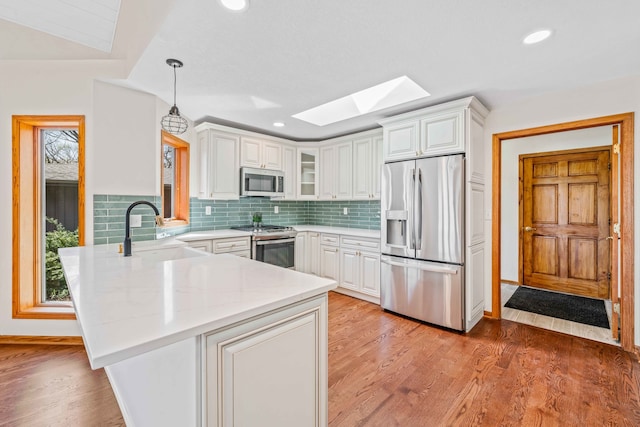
x: 419, y: 211
x: 432, y: 268
x: 412, y: 244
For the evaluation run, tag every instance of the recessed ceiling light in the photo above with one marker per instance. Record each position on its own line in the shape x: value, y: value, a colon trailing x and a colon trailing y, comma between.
x: 388, y: 94
x: 537, y: 37
x: 278, y: 124
x: 235, y: 5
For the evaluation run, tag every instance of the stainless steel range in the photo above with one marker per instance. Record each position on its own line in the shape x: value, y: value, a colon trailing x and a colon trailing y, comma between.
x: 273, y: 244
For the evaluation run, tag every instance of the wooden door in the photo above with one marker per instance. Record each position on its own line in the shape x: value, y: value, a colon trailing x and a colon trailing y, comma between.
x: 565, y: 221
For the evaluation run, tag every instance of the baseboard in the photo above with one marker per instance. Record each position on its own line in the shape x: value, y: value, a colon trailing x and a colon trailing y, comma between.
x: 26, y: 339
x: 358, y: 295
x: 510, y: 282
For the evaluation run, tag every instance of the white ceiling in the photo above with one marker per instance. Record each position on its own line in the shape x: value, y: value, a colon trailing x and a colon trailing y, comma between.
x: 88, y: 22
x: 282, y: 57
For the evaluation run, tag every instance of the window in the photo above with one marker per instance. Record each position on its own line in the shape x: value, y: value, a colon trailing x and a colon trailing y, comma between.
x: 174, y: 180
x: 48, y: 181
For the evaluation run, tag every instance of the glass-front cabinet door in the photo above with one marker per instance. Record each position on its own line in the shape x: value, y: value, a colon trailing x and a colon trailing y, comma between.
x: 307, y: 173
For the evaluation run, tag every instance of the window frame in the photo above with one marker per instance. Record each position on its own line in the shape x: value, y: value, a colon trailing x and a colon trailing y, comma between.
x: 181, y: 179
x: 27, y: 188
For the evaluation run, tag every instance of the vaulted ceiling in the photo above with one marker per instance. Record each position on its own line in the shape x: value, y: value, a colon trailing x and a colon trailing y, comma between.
x: 279, y: 58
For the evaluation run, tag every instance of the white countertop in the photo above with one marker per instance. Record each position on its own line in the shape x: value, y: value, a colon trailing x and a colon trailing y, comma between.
x: 130, y: 305
x: 358, y: 232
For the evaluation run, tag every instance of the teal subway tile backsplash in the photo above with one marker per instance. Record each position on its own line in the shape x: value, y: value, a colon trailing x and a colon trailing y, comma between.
x: 108, y: 218
x: 109, y: 212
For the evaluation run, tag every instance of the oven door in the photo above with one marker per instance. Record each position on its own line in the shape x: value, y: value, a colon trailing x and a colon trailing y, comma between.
x: 278, y: 252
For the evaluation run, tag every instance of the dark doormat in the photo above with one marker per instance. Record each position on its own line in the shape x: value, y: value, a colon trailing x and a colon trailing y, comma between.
x: 568, y: 307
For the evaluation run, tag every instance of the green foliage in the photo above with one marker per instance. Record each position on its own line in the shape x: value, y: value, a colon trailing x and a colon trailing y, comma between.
x: 59, y: 238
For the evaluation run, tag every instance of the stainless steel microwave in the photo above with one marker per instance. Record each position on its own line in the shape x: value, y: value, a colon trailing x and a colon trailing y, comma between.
x: 261, y: 182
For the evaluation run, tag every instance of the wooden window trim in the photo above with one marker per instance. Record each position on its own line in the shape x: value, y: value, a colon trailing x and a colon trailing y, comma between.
x: 181, y: 174
x: 26, y: 210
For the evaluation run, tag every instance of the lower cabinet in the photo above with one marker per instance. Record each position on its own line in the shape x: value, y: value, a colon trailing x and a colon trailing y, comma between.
x: 270, y: 371
x: 300, y: 255
x: 353, y: 262
x: 203, y: 245
x: 239, y: 246
x: 360, y: 271
x: 330, y: 262
x: 313, y: 253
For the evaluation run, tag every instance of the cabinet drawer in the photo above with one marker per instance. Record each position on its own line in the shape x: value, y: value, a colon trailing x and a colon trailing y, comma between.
x: 231, y: 244
x: 360, y: 243
x: 203, y: 245
x: 330, y: 239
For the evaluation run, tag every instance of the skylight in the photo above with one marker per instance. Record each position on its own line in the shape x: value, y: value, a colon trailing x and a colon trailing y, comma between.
x: 90, y: 23
x: 388, y: 94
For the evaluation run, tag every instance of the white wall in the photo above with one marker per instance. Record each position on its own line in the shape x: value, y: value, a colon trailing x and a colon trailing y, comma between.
x: 125, y: 145
x: 603, y: 99
x: 122, y: 149
x: 511, y: 150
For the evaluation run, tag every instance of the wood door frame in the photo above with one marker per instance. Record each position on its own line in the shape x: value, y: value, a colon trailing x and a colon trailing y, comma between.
x: 626, y: 123
x: 521, y: 158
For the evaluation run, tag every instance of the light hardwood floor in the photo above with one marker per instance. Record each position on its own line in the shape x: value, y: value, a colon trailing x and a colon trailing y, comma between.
x: 384, y: 370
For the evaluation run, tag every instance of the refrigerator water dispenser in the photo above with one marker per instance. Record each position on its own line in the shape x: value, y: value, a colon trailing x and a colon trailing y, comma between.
x: 397, y: 228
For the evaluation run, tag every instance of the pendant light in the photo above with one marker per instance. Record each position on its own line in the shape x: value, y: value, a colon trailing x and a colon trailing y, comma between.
x: 173, y: 122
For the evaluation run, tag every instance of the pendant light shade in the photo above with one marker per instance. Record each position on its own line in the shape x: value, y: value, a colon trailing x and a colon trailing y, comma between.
x: 173, y: 122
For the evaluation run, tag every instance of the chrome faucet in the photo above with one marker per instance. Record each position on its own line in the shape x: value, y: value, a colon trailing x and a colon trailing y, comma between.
x: 127, y: 223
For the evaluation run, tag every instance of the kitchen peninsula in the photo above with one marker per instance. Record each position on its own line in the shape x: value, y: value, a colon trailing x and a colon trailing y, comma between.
x: 191, y: 338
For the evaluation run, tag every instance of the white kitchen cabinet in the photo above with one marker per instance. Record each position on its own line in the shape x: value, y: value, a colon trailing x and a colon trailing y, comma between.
x: 336, y: 171
x: 442, y: 133
x: 431, y: 131
x: 239, y: 246
x: 270, y: 371
x: 401, y: 140
x: 360, y: 265
x: 313, y: 253
x: 367, y: 163
x: 300, y: 256
x: 261, y: 154
x: 289, y: 169
x: 307, y: 252
x: 330, y: 256
x: 307, y: 174
x: 377, y: 166
x: 203, y: 245
x: 330, y: 262
x: 219, y: 164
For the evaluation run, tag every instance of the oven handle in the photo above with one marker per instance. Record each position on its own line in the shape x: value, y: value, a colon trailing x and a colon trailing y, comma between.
x: 274, y: 241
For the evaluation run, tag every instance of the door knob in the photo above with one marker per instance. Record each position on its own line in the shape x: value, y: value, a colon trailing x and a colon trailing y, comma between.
x: 529, y: 229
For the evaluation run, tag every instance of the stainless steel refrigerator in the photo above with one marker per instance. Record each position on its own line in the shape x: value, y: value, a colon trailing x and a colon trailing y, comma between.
x: 422, y: 232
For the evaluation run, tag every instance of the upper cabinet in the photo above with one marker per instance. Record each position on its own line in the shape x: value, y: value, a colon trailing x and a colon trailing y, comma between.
x: 335, y: 171
x: 219, y: 154
x: 401, y: 140
x: 289, y: 167
x: 367, y: 162
x: 307, y: 174
x: 441, y: 129
x: 261, y: 154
